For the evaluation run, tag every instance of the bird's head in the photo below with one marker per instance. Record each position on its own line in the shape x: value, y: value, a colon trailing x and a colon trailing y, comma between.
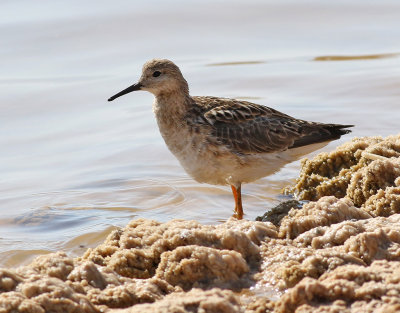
x: 160, y: 77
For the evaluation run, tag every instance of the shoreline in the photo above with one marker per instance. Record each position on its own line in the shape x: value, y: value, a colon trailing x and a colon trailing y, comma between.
x: 340, y: 252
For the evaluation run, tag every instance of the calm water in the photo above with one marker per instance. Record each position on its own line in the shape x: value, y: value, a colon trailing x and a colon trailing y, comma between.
x: 73, y: 165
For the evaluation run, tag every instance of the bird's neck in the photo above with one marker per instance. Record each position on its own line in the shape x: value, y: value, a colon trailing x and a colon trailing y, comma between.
x: 172, y: 106
x: 171, y: 112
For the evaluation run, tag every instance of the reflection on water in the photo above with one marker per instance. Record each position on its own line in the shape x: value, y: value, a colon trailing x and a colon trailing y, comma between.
x: 74, y: 166
x: 356, y: 57
x: 236, y: 63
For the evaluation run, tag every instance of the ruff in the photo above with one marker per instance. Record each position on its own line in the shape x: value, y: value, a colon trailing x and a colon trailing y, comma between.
x: 226, y: 141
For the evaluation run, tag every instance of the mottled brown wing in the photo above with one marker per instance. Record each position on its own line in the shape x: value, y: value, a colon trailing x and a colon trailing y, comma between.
x: 250, y: 128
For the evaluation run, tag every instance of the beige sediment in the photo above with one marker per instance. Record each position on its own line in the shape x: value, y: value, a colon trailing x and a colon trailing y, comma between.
x: 196, y: 300
x: 339, y: 253
x: 350, y: 288
x: 356, y: 170
x: 327, y: 211
x: 142, y: 263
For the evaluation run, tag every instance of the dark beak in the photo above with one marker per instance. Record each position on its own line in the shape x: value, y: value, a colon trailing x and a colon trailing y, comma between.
x: 134, y: 87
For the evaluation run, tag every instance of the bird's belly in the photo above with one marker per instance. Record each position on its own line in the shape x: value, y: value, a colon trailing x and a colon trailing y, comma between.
x: 206, y: 163
x: 226, y: 168
x: 216, y: 164
x: 211, y: 163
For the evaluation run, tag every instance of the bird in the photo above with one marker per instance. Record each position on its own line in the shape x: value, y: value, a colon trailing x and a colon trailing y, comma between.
x: 223, y: 141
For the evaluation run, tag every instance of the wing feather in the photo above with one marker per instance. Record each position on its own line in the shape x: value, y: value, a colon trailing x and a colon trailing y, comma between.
x: 248, y: 128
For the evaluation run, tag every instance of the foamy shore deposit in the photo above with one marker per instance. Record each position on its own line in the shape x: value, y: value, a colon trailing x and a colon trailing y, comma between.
x: 338, y: 253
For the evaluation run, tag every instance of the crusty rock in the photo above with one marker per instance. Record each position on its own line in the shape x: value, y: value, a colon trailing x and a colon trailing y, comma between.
x: 277, y: 213
x: 132, y: 292
x: 323, y: 249
x: 142, y: 263
x: 194, y: 301
x: 324, y: 212
x: 136, y: 251
x: 358, y: 170
x: 57, y: 265
x: 193, y: 266
x: 384, y: 202
x: 349, y: 288
x: 376, y: 176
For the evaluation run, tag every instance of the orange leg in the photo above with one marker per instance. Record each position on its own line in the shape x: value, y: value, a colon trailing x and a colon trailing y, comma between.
x: 237, y: 194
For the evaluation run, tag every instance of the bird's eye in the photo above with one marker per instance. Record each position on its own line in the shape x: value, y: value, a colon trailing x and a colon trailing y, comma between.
x: 156, y: 73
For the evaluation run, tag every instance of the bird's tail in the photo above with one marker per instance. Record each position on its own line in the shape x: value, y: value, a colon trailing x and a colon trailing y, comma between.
x: 317, y: 133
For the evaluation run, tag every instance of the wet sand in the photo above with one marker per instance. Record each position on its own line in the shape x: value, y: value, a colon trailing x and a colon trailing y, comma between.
x: 334, y: 254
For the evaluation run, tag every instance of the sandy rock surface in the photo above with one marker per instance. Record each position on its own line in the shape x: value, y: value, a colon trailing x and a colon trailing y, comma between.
x: 339, y: 253
x: 143, y: 263
x: 196, y: 300
x: 364, y: 170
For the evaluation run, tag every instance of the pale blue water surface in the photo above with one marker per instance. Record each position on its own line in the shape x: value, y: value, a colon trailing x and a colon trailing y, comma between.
x: 73, y: 165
